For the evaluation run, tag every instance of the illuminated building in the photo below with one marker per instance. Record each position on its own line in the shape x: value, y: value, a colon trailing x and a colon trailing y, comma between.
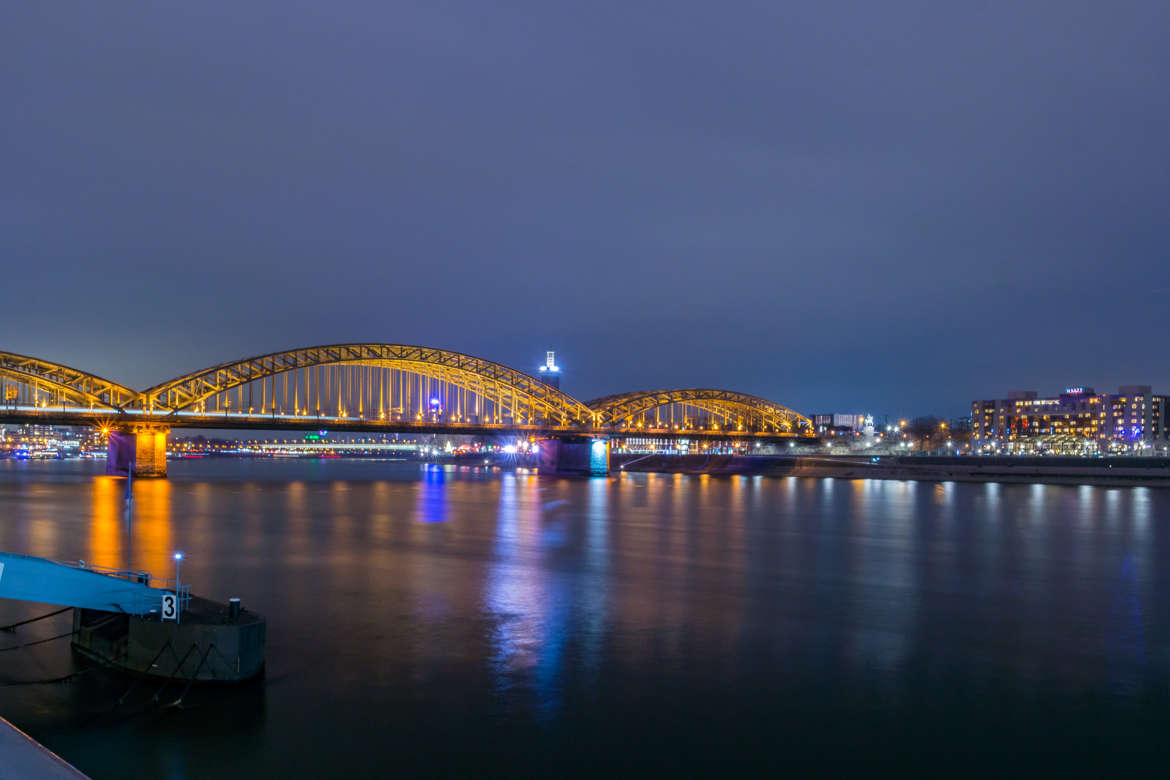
x: 1078, y: 421
x: 843, y: 424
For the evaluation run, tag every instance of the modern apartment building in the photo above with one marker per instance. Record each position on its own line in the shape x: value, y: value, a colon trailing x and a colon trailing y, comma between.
x: 1078, y: 421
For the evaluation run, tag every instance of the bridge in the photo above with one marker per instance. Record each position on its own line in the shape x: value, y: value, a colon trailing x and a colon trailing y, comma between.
x: 374, y: 387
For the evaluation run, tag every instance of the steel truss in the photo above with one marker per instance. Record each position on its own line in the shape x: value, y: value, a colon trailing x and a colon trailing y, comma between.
x: 739, y: 409
x: 526, y: 397
x: 79, y: 387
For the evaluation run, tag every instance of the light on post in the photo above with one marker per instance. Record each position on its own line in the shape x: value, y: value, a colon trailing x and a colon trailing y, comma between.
x: 178, y: 588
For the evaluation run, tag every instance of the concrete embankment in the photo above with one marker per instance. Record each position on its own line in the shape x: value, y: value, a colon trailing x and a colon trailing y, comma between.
x: 1152, y: 472
x: 23, y: 757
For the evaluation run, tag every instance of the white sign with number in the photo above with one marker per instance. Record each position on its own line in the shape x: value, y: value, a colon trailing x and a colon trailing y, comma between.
x: 170, y: 607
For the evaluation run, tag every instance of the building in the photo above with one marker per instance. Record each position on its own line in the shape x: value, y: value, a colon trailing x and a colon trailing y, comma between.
x: 1078, y: 421
x: 843, y: 424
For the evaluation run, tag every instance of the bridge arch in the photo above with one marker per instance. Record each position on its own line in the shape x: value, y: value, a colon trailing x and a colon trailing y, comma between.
x: 526, y: 398
x: 58, y: 384
x: 624, y: 410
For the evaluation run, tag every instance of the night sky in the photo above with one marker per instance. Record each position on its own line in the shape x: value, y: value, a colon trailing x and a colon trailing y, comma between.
x: 892, y: 207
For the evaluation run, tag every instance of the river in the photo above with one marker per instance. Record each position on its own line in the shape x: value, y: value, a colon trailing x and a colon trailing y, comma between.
x: 428, y: 619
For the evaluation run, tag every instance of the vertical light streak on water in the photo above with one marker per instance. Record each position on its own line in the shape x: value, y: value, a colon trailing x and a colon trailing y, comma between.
x: 296, y: 541
x: 42, y: 531
x: 500, y: 590
x: 340, y: 518
x: 999, y: 527
x: 851, y: 520
x: 432, y: 504
x: 1127, y: 633
x: 201, y: 495
x: 1112, y: 508
x: 251, y: 529
x: 1033, y: 535
x: 595, y: 593
x: 1036, y: 507
x: 790, y: 495
x: 730, y: 541
x: 153, y: 528
x: 944, y: 495
x: 652, y: 493
x: 1126, y: 639
x: 880, y: 568
x: 525, y: 603
x: 108, y: 526
x: 1141, y: 513
x: 1086, y: 497
x: 558, y: 591
x: 827, y: 484
x: 381, y: 521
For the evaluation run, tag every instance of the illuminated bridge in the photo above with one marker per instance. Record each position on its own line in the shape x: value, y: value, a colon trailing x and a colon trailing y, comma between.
x: 388, y: 388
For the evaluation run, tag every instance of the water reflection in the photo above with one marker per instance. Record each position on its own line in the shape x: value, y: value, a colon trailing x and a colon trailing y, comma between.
x: 432, y: 497
x: 42, y: 531
x: 111, y: 524
x: 594, y: 596
x: 512, y: 593
x: 477, y: 606
x: 151, y: 539
x: 1125, y: 633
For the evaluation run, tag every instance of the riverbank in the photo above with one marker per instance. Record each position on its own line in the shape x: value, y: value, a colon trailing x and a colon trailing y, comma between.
x: 1109, y: 472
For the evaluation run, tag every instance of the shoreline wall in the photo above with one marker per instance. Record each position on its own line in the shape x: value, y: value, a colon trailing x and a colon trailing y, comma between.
x: 1118, y: 472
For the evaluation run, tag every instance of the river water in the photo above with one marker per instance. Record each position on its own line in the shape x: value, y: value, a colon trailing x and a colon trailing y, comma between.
x: 426, y: 619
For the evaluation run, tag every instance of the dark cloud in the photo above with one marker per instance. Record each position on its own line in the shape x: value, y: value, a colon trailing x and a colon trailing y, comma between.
x: 889, y: 206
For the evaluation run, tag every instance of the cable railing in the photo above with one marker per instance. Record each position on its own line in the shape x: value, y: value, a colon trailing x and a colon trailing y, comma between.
x: 149, y: 597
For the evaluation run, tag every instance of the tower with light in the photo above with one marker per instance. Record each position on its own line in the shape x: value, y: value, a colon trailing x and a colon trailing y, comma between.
x: 550, y: 372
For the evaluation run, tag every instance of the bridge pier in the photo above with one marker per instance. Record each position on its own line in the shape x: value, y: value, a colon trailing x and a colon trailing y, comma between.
x: 575, y: 455
x: 141, y: 447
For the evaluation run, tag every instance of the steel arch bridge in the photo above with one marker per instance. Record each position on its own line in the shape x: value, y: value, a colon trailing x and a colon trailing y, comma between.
x: 522, y: 396
x: 738, y: 410
x: 375, y: 386
x: 54, y: 382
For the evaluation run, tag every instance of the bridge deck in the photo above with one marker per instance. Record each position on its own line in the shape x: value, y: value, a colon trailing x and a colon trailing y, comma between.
x: 289, y: 422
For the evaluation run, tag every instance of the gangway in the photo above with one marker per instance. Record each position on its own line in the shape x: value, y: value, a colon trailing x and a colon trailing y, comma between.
x: 121, y: 619
x: 76, y: 584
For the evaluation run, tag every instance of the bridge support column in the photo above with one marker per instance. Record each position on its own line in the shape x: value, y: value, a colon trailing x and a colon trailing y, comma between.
x: 575, y: 455
x: 141, y: 447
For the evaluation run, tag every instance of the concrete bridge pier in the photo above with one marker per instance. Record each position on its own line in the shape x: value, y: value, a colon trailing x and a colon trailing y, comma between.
x: 575, y: 455
x: 141, y: 447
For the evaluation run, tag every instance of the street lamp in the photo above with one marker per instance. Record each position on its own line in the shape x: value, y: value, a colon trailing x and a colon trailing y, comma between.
x: 178, y: 589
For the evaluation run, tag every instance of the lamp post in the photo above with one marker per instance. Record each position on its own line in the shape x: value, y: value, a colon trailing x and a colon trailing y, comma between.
x: 178, y: 589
